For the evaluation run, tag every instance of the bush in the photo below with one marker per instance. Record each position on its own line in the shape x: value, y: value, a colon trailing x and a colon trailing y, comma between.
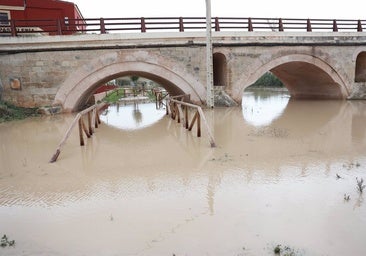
x: 268, y: 80
x: 9, y: 112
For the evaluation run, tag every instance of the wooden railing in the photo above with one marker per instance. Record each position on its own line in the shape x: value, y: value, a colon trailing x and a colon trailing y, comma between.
x: 159, y: 95
x: 175, y: 24
x: 179, y: 110
x: 92, y: 114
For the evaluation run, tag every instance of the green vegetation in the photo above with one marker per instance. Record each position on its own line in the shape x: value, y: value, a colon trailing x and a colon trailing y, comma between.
x: 115, y: 96
x: 150, y: 95
x: 285, y: 251
x: 9, y: 112
x: 6, y: 242
x: 135, y: 91
x: 268, y: 80
x: 134, y: 79
x: 277, y: 249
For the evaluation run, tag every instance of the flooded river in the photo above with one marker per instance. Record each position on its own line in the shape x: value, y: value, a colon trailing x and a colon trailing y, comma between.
x: 143, y: 185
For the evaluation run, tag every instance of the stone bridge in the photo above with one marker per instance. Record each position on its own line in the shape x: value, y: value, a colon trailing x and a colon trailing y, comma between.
x: 66, y: 70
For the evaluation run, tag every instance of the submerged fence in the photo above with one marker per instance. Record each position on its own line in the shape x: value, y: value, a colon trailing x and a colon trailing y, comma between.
x: 93, y: 121
x: 179, y: 110
x: 175, y: 24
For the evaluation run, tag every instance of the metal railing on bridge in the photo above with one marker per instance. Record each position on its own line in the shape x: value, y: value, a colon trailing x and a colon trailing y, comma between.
x: 175, y: 24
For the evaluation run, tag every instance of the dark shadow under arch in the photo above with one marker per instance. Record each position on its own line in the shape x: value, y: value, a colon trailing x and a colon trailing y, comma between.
x: 75, y: 90
x: 360, y: 75
x: 305, y: 80
x: 219, y: 69
x: 171, y: 88
x: 305, y: 76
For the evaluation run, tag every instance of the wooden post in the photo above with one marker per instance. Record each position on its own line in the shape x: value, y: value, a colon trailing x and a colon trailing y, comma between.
x: 160, y: 100
x: 76, y: 120
x: 156, y: 100
x: 181, y: 114
x: 143, y: 25
x: 186, y: 116
x: 84, y: 127
x: 167, y: 107
x: 359, y: 26
x: 335, y: 27
x: 177, y: 113
x: 172, y: 110
x: 217, y: 24
x: 250, y: 25
x: 102, y: 26
x: 197, y: 116
x: 55, y: 156
x: 181, y: 26
x: 193, y: 121
x: 280, y: 25
x: 96, y: 118
x: 198, y: 124
x: 308, y: 25
x: 90, y: 124
x: 93, y: 119
x: 81, y: 133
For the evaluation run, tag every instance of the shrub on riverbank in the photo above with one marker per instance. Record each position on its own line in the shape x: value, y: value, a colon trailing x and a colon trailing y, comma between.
x: 268, y: 80
x: 114, y: 96
x: 9, y: 112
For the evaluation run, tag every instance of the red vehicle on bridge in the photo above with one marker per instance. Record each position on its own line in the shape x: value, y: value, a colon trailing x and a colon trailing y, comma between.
x: 40, y: 16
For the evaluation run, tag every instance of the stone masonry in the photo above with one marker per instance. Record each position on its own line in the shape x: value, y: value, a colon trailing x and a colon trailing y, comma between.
x: 65, y: 70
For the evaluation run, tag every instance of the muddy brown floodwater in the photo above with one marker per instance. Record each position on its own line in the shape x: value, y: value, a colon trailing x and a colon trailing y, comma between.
x: 144, y: 186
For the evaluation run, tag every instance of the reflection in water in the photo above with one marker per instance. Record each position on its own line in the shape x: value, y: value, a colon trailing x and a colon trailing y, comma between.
x: 132, y: 117
x: 163, y: 191
x: 261, y: 108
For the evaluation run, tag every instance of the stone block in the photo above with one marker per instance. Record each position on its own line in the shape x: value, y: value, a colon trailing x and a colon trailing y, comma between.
x: 15, y: 84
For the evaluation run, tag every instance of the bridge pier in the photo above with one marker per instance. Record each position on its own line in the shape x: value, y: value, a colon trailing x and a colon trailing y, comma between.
x: 358, y: 92
x: 222, y: 98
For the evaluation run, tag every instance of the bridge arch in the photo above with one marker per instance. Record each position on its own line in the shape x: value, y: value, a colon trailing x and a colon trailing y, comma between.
x: 305, y: 76
x: 81, y: 83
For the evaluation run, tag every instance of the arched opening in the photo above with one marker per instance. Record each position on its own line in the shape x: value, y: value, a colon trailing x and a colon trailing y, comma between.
x: 219, y: 69
x: 86, y: 97
x: 304, y: 76
x: 80, y: 85
x: 360, y: 75
x: 301, y: 76
x: 305, y: 80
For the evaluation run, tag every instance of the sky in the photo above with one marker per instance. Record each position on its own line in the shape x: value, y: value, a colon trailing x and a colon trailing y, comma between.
x: 329, y: 9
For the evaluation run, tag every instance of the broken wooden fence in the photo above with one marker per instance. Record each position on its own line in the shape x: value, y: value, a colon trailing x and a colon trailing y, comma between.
x: 93, y: 121
x: 179, y: 110
x: 159, y: 97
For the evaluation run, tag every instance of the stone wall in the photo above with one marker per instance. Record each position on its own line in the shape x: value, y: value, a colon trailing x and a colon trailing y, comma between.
x: 64, y: 70
x: 358, y: 92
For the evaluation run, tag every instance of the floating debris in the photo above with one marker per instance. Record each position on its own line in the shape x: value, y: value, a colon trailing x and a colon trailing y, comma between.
x: 360, y: 186
x: 6, y: 242
x: 346, y: 197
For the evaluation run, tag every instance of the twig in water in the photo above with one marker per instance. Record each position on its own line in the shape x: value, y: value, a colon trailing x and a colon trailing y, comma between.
x: 360, y: 186
x: 347, y: 197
